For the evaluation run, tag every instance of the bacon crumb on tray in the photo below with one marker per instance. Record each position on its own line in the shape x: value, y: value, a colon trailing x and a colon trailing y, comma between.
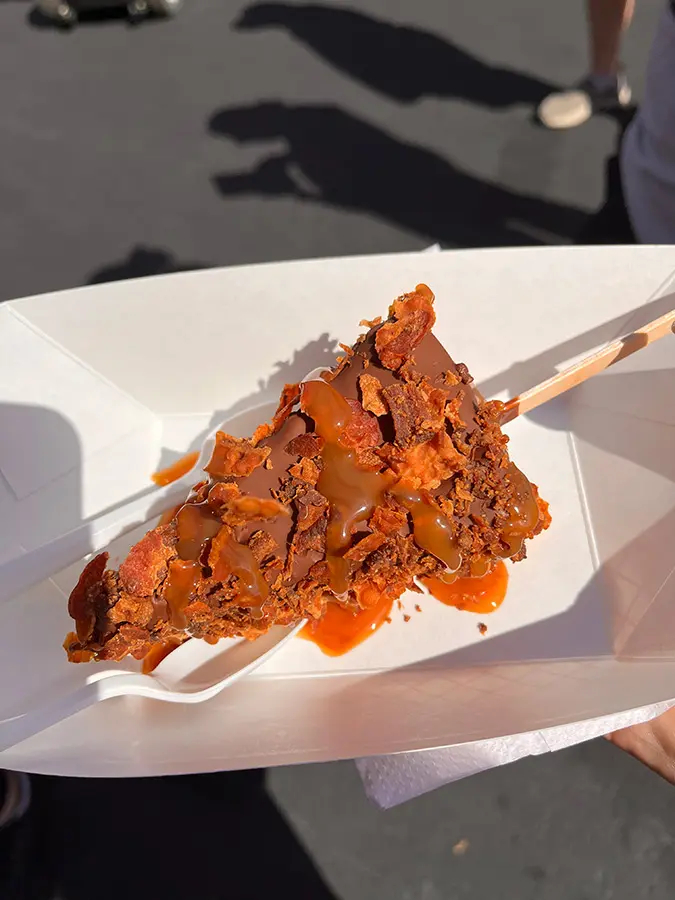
x: 388, y: 469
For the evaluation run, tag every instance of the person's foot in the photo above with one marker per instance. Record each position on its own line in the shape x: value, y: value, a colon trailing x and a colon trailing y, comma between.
x: 569, y: 109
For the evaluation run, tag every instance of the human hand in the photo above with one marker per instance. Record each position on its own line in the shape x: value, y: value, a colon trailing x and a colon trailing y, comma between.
x: 653, y: 743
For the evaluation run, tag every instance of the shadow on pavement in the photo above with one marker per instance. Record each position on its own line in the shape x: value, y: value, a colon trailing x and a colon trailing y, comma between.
x: 209, y: 836
x: 334, y: 158
x: 141, y: 262
x: 400, y: 61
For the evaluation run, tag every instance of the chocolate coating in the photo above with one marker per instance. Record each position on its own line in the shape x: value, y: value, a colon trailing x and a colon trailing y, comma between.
x: 431, y: 359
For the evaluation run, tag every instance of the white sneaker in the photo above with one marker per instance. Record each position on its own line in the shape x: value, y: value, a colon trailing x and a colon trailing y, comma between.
x: 569, y: 109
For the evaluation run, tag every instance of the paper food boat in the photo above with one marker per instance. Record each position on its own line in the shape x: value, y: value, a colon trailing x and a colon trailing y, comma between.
x: 101, y: 386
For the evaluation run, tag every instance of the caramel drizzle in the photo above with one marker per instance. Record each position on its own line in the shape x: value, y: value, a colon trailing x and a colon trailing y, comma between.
x: 432, y: 530
x: 197, y: 525
x: 157, y: 653
x: 176, y: 470
x: 180, y: 585
x: 523, y: 515
x: 482, y: 594
x: 354, y: 493
x: 237, y: 559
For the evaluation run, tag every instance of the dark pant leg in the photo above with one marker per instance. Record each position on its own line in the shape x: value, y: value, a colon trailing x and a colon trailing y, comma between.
x: 611, y: 224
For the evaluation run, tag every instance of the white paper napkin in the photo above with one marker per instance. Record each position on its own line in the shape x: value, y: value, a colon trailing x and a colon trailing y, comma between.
x: 390, y: 780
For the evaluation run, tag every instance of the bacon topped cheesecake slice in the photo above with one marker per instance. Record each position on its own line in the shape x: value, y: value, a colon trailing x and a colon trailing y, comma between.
x: 388, y: 468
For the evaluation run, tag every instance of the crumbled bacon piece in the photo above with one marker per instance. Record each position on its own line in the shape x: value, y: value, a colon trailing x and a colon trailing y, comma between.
x: 367, y: 545
x: 464, y: 375
x: 261, y: 433
x: 427, y: 465
x: 311, y: 523
x: 262, y: 545
x: 417, y: 416
x: 146, y: 565
x: 409, y: 372
x: 222, y: 494
x: 309, y: 445
x: 306, y: 470
x: 372, y: 398
x: 452, y: 411
x: 289, y: 396
x: 313, y: 538
x: 235, y: 456
x: 447, y: 506
x: 235, y: 508
x: 412, y: 317
x: 544, y: 513
x: 130, y: 640
x: 81, y: 604
x: 74, y: 650
x: 388, y: 519
x: 362, y: 430
x: 368, y: 460
x: 311, y: 507
x: 130, y: 609
x: 341, y: 363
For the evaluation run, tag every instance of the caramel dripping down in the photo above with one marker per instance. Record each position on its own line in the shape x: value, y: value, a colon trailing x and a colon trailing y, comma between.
x: 354, y: 493
x: 198, y: 528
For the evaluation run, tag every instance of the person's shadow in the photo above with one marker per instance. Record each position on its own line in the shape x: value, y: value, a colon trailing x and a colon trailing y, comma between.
x: 400, y: 61
x: 336, y: 159
x: 141, y: 262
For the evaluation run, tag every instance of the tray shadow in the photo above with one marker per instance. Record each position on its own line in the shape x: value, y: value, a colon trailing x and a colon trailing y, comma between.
x: 527, y: 373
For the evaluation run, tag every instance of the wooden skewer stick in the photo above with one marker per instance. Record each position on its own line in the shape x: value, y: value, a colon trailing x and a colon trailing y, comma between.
x: 586, y: 368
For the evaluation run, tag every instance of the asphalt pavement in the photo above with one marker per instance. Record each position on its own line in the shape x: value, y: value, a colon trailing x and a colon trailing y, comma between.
x: 244, y: 132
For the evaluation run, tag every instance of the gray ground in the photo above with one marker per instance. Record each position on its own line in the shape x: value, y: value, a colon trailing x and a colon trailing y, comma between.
x: 238, y: 134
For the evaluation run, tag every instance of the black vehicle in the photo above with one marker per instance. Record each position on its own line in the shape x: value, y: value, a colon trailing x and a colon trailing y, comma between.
x: 65, y: 12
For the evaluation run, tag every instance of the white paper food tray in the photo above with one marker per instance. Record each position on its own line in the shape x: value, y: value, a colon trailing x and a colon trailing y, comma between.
x: 101, y: 386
